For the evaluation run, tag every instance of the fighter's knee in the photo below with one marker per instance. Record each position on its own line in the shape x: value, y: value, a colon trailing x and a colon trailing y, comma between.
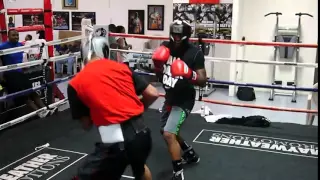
x: 168, y: 136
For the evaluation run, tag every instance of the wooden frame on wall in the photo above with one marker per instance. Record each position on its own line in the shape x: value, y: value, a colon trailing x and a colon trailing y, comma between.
x: 155, y: 17
x: 70, y: 4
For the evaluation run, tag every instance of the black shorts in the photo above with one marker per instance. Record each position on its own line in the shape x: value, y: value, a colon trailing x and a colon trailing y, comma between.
x: 17, y: 81
x: 108, y: 162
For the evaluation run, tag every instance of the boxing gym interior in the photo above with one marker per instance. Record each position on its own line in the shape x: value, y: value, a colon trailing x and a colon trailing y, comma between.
x: 256, y: 118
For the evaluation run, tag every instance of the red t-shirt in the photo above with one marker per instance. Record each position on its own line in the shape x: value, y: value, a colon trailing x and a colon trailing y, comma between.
x: 109, y: 90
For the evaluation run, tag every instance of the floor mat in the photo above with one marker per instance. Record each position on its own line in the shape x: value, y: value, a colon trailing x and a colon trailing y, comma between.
x: 282, y: 151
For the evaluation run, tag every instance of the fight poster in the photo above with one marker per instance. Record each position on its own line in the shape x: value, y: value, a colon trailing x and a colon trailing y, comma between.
x: 155, y: 17
x: 61, y: 20
x: 77, y: 18
x: 31, y: 20
x: 211, y: 20
x: 136, y: 21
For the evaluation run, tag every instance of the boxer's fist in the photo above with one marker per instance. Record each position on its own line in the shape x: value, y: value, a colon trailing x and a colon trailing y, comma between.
x: 180, y: 68
x: 160, y: 57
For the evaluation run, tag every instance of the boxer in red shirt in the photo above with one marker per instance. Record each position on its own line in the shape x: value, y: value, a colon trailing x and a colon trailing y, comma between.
x: 105, y: 94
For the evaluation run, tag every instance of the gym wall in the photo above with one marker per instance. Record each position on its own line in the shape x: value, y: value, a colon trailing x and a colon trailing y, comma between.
x: 248, y: 21
x: 255, y: 27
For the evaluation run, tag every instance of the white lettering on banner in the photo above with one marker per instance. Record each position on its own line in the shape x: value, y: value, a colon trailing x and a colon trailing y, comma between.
x: 259, y: 143
x: 168, y: 81
x: 270, y: 144
x: 35, y: 167
x: 36, y: 84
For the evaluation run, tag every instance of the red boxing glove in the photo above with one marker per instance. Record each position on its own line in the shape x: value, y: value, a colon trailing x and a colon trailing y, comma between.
x: 180, y: 68
x: 160, y: 57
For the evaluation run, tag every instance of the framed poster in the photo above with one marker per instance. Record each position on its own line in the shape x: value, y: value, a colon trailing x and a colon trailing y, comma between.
x: 155, y: 17
x: 136, y: 22
x: 69, y: 4
x: 61, y: 20
x: 31, y: 20
x: 11, y: 21
x: 76, y: 18
x: 213, y: 20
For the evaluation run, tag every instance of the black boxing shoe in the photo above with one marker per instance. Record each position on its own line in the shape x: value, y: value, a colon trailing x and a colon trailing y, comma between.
x: 190, y: 157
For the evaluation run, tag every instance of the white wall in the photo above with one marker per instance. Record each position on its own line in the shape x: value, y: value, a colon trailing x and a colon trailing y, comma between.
x: 119, y: 10
x: 250, y: 23
x: 255, y: 27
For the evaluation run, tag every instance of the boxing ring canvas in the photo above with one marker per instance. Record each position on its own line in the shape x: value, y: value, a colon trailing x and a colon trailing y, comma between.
x: 282, y: 151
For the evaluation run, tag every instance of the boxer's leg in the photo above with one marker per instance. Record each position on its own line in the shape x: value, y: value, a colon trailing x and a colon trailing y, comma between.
x: 104, y: 163
x: 171, y: 130
x: 138, y: 152
x: 189, y: 155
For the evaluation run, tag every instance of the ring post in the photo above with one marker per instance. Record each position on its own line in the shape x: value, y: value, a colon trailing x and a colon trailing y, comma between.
x: 3, y: 24
x: 47, y: 9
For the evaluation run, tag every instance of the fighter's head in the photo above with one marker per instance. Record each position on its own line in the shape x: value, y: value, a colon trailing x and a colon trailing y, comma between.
x: 94, y: 49
x: 180, y: 32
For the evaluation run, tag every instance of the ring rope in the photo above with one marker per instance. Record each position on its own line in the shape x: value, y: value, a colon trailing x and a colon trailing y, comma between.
x: 221, y: 41
x: 219, y: 59
x: 257, y: 106
x: 27, y: 91
x: 249, y: 84
x: 49, y: 43
x: 37, y: 62
x: 29, y: 115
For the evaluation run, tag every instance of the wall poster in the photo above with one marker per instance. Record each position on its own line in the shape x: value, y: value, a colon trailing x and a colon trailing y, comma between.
x: 77, y: 18
x: 31, y: 20
x: 136, y: 21
x: 214, y: 20
x: 61, y: 20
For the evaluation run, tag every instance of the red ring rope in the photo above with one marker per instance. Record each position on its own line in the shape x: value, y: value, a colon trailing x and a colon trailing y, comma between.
x: 258, y: 106
x: 220, y: 41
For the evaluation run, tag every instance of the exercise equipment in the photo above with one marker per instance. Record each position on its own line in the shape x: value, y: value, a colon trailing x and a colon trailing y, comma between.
x: 205, y: 48
x: 291, y: 35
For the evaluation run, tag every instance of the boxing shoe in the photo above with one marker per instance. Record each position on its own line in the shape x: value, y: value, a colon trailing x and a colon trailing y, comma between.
x: 190, y: 157
x: 178, y: 175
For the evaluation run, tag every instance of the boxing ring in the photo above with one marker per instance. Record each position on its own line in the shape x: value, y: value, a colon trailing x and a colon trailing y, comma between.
x: 282, y: 151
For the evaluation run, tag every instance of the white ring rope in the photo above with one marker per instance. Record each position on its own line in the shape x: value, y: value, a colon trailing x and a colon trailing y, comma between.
x: 32, y: 114
x: 37, y: 62
x: 219, y: 59
x: 229, y: 60
x: 49, y: 43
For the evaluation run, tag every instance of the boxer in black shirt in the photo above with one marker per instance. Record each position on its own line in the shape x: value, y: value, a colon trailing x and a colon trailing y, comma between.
x: 180, y: 65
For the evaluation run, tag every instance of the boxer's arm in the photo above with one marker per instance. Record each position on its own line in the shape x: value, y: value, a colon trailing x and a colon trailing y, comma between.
x: 149, y: 93
x: 79, y: 110
x: 200, y: 69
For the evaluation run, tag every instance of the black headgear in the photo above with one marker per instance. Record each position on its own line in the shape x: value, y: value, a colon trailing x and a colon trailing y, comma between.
x: 182, y: 29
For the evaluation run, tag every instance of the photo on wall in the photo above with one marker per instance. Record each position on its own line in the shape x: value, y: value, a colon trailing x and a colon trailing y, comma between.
x: 77, y: 17
x: 213, y: 21
x: 156, y: 17
x: 31, y: 20
x: 61, y: 20
x: 136, y: 22
x: 69, y: 4
x: 11, y: 21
